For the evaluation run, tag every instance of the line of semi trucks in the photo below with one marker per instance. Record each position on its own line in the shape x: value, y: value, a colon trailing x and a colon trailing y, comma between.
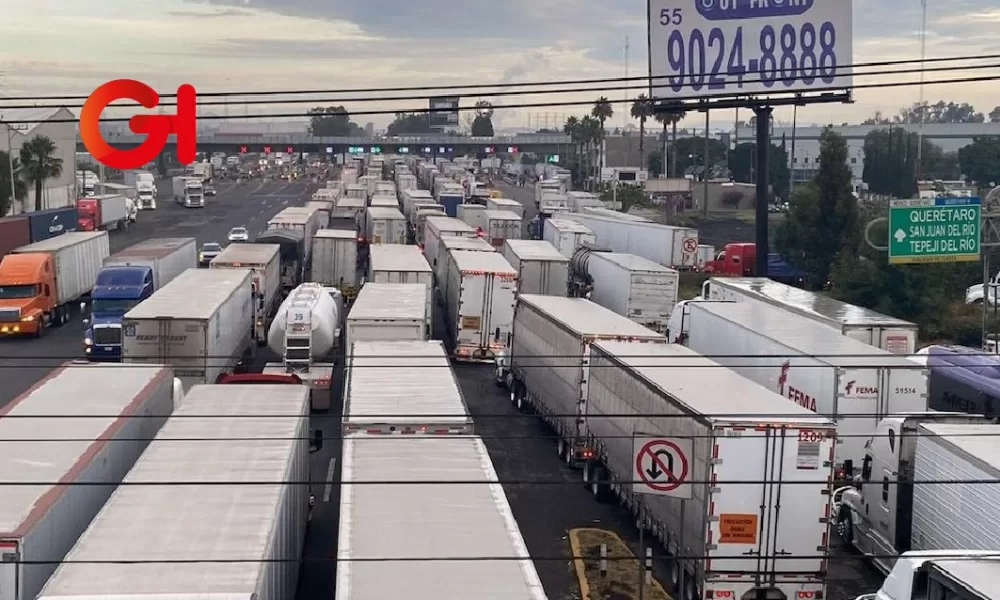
x: 806, y: 415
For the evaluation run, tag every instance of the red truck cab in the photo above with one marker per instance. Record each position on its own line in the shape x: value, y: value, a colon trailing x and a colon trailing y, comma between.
x: 88, y: 211
x: 735, y: 260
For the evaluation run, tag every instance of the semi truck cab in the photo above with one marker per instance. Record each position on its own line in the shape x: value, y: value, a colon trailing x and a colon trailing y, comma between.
x: 27, y: 293
x: 117, y: 291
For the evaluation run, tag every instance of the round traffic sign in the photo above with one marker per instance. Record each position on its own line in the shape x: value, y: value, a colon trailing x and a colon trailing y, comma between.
x: 661, y: 465
x: 690, y: 244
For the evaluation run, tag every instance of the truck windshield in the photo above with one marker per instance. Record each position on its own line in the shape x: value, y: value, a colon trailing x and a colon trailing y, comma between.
x: 17, y: 291
x: 113, y: 305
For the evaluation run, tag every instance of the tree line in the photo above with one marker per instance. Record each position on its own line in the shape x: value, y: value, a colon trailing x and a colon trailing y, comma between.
x: 335, y: 121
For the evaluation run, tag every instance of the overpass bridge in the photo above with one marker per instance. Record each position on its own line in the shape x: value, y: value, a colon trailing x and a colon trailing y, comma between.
x: 431, y: 144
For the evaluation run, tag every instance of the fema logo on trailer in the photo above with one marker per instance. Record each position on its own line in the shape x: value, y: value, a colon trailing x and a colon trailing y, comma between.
x: 128, y: 331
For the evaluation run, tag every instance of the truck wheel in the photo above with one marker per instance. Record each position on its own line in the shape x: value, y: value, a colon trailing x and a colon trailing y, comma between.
x: 845, y: 525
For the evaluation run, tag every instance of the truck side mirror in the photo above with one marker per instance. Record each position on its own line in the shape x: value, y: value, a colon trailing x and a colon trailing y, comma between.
x: 316, y: 443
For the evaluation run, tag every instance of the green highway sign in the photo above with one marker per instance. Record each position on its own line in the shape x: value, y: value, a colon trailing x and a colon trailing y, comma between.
x: 934, y: 230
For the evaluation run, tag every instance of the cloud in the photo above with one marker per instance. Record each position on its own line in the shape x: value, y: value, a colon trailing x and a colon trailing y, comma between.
x: 213, y: 14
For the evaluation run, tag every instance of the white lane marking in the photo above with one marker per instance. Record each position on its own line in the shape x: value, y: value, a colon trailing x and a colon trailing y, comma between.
x: 329, y: 480
x: 258, y: 188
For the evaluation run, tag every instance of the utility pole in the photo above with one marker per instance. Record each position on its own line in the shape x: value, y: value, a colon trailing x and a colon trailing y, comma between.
x: 920, y: 105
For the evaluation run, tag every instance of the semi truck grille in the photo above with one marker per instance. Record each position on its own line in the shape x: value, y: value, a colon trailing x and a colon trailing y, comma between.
x: 107, y: 336
x: 10, y: 315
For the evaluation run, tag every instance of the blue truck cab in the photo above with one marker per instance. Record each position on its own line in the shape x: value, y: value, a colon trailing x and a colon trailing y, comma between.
x: 117, y: 290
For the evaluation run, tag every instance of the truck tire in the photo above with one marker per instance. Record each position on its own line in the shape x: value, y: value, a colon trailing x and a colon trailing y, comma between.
x: 845, y: 525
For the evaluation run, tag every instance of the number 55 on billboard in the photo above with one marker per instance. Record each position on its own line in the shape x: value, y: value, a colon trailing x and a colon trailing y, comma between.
x: 156, y: 127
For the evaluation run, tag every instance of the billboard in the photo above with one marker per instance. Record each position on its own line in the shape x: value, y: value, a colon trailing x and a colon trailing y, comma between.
x: 444, y: 112
x: 734, y: 47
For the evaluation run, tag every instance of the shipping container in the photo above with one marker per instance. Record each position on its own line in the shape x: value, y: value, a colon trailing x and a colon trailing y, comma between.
x: 385, y: 226
x: 398, y: 263
x: 389, y: 312
x: 567, y: 236
x: 335, y: 259
x: 669, y: 246
x: 634, y: 287
x: 550, y: 354
x: 480, y: 303
x: 107, y: 428
x: 436, y: 228
x: 812, y: 365
x: 541, y: 269
x: 862, y: 324
x: 380, y: 395
x: 732, y: 429
x: 506, y: 204
x: 46, y: 224
x: 14, y: 232
x: 220, y: 541
x: 431, y: 523
x: 200, y: 323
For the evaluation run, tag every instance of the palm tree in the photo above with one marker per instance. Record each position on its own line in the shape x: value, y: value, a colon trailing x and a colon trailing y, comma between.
x: 602, y: 111
x: 39, y: 164
x: 591, y: 134
x: 572, y: 129
x: 642, y: 109
x: 671, y: 118
x: 20, y: 189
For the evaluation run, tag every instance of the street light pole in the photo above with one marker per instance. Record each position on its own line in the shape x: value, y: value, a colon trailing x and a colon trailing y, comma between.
x: 920, y: 105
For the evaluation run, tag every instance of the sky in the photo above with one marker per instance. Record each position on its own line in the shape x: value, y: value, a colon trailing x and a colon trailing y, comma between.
x: 54, y: 47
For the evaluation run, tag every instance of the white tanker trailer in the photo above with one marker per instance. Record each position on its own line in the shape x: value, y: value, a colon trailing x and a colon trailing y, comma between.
x: 305, y: 333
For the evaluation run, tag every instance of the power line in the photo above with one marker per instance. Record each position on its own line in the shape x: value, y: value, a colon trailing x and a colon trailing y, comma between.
x: 463, y: 482
x: 604, y: 80
x: 707, y: 99
x: 778, y: 79
x: 929, y: 417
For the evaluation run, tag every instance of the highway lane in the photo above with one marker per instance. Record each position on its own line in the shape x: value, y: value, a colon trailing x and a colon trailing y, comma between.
x: 252, y: 204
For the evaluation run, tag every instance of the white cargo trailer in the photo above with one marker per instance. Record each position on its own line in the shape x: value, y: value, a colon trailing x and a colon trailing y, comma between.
x: 200, y: 323
x: 398, y: 263
x: 412, y: 196
x: 166, y: 258
x: 862, y: 324
x: 541, y: 269
x: 431, y: 523
x: 108, y: 413
x: 323, y: 209
x: 299, y: 219
x: 385, y: 225
x: 436, y: 228
x: 767, y: 536
x: 264, y: 262
x: 77, y: 258
x: 633, y: 286
x: 389, y: 312
x: 566, y: 235
x: 421, y: 213
x: 443, y: 267
x: 506, y: 204
x: 252, y: 533
x: 384, y: 201
x: 502, y: 225
x: 480, y: 306
x: 472, y: 214
x: 812, y: 365
x: 669, y: 246
x: 380, y: 396
x: 549, y: 356
x: 335, y: 260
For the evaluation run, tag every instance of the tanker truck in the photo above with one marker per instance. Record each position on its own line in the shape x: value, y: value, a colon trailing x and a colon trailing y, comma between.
x: 305, y: 332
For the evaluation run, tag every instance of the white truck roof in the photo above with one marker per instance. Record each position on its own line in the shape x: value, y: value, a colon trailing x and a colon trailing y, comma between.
x: 803, y: 334
x: 251, y: 254
x: 809, y: 303
x: 386, y: 301
x: 151, y: 248
x: 632, y: 262
x: 706, y: 387
x: 450, y: 224
x: 982, y: 575
x: 194, y: 294
x: 335, y: 233
x: 191, y: 522
x: 70, y: 238
x: 506, y: 215
x: 402, y: 383
x: 385, y: 212
x: 979, y: 440
x: 584, y: 317
x: 87, y: 419
x: 567, y: 226
x: 417, y: 193
x: 468, y: 261
x: 535, y: 250
x: 428, y: 521
x: 476, y: 244
x: 397, y: 257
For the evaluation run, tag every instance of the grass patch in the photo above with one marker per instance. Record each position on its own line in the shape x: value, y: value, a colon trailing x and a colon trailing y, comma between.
x: 694, y: 219
x: 621, y: 581
x: 689, y: 284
